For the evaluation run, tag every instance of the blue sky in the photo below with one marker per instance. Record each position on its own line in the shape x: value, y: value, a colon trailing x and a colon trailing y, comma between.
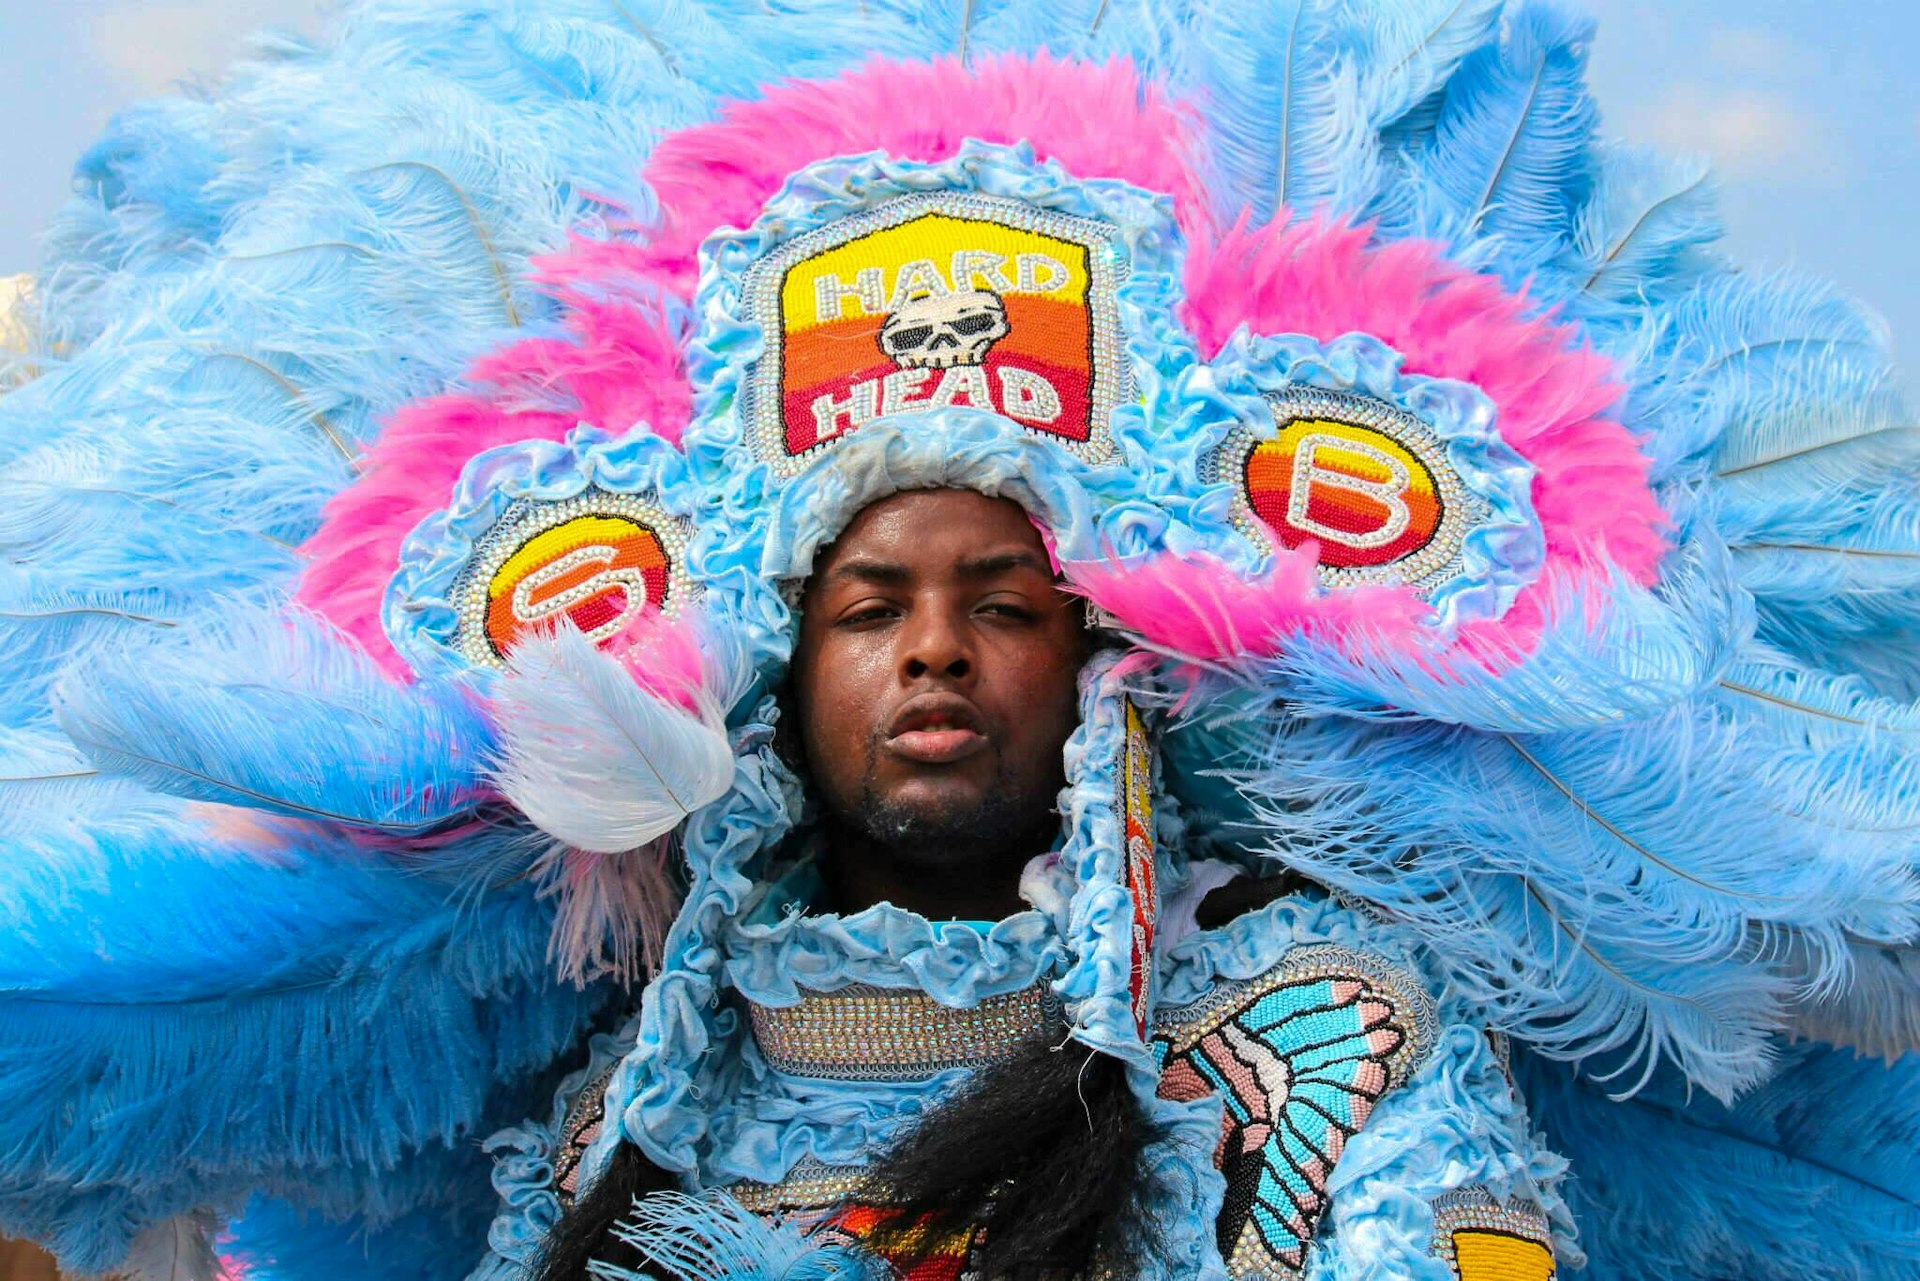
x: 1810, y: 109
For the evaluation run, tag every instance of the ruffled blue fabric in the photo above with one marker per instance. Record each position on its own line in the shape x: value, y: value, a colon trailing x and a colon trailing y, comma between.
x: 1096, y: 986
x: 523, y: 1167
x: 663, y: 1090
x: 770, y: 1120
x: 419, y: 613
x: 955, y: 447
x: 772, y: 955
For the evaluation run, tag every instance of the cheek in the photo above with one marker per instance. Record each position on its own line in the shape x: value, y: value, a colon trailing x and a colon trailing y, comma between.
x: 839, y: 688
x: 1043, y: 700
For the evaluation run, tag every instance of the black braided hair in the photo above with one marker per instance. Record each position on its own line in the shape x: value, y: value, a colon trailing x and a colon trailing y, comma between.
x: 1044, y: 1153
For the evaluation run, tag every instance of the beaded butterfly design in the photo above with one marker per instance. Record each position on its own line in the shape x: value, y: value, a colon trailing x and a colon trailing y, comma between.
x: 1300, y: 1057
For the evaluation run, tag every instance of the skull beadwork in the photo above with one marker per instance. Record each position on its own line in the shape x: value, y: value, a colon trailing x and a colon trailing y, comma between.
x: 943, y: 330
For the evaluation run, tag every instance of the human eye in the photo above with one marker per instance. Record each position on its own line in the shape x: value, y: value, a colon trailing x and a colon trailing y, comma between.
x: 1009, y: 607
x: 867, y: 613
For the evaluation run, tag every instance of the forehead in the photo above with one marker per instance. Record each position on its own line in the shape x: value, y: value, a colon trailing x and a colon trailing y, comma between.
x: 928, y: 530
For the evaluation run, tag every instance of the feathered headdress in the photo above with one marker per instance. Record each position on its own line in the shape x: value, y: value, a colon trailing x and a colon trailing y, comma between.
x: 397, y: 558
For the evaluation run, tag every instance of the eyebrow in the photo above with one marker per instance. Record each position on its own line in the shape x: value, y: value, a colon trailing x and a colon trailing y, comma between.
x: 990, y: 565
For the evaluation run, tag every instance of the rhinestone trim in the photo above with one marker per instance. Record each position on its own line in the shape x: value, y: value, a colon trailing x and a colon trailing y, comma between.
x: 810, y: 1185
x: 761, y: 402
x: 1461, y: 510
x: 526, y: 519
x: 867, y: 1033
x: 1519, y: 1226
x: 578, y: 1132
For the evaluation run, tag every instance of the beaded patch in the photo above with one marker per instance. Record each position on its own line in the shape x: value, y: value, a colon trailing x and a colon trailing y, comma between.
x: 1300, y: 1057
x: 578, y: 1132
x: 1367, y: 482
x: 1482, y: 1239
x: 867, y: 1033
x: 1136, y: 786
x: 937, y: 299
x: 597, y: 559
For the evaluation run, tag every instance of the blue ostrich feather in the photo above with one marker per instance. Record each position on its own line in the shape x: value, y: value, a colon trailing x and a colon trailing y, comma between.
x: 1298, y: 95
x: 1643, y: 236
x: 1609, y: 893
x: 1509, y: 160
x: 367, y: 1019
x: 713, y: 1239
x: 1633, y: 657
x: 1876, y: 1012
x: 1814, y: 1174
x: 1268, y: 75
x: 284, y: 716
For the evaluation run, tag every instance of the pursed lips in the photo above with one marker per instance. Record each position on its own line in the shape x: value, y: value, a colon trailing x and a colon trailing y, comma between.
x: 936, y: 729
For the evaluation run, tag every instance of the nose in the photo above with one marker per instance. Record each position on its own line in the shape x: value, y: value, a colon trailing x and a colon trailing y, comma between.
x: 935, y: 643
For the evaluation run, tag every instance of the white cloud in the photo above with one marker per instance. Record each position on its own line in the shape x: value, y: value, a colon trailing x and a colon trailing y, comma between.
x: 150, y: 46
x: 1749, y: 133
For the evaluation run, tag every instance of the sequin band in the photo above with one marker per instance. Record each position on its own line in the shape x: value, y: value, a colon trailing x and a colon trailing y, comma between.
x: 810, y: 1185
x: 866, y: 1033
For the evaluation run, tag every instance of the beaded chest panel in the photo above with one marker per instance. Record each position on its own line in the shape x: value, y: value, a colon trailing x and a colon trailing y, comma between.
x: 1368, y: 483
x: 1484, y: 1239
x: 948, y: 298
x: 1300, y: 1057
x: 866, y: 1033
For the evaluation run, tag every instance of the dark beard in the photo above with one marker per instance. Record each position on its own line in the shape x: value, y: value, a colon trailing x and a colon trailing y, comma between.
x: 938, y: 836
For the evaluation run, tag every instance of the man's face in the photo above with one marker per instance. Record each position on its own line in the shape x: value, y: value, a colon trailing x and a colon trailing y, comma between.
x: 935, y: 673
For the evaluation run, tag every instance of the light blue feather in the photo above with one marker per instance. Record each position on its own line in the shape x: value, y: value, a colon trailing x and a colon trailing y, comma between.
x: 1751, y: 352
x: 1267, y: 77
x: 1642, y: 238
x: 1818, y: 709
x: 284, y: 716
x: 1508, y: 164
x: 1814, y: 1174
x: 1631, y: 658
x: 713, y: 1239
x: 1408, y: 52
x: 1396, y: 63
x: 1876, y: 1013
x: 1606, y: 893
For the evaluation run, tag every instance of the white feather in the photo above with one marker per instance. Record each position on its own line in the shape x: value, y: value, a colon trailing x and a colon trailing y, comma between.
x: 180, y: 1249
x: 591, y: 758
